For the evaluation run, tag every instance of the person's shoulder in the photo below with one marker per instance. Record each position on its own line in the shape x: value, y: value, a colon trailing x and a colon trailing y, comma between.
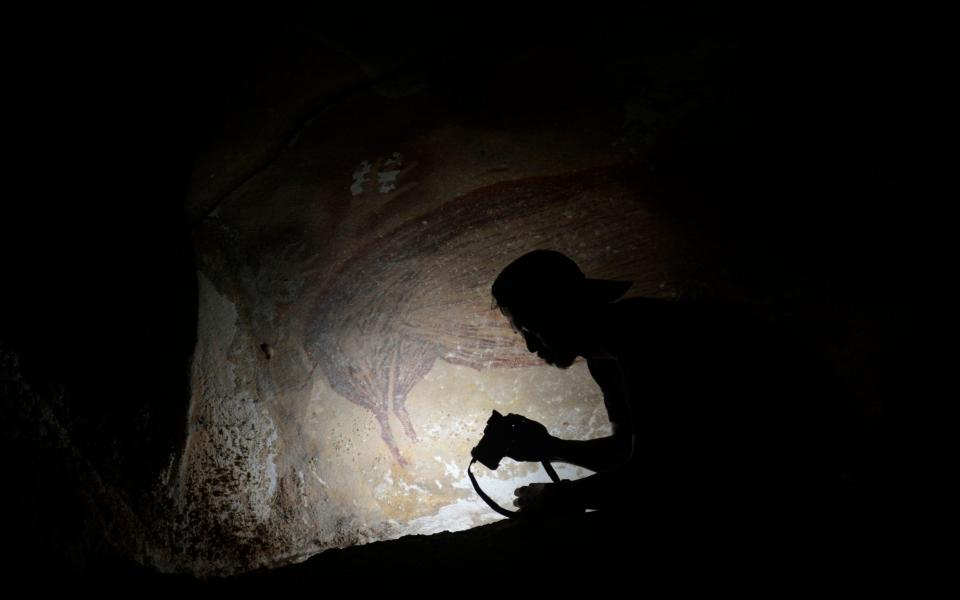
x: 604, y: 370
x: 629, y: 320
x: 652, y: 309
x: 664, y: 323
x: 642, y: 310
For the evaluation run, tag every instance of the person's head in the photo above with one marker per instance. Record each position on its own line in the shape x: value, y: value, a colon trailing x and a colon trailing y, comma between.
x: 543, y: 294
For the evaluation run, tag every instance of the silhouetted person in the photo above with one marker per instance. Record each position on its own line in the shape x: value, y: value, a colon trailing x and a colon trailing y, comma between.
x: 710, y: 410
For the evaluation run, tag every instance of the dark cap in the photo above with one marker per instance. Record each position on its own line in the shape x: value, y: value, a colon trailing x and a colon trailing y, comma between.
x: 543, y: 277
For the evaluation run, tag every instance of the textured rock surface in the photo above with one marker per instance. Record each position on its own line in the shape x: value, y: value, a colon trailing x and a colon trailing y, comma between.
x: 348, y: 355
x: 314, y: 373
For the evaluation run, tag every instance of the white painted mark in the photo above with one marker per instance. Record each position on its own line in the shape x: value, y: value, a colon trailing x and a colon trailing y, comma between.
x: 388, y: 176
x: 395, y: 160
x: 388, y: 181
x: 360, y: 177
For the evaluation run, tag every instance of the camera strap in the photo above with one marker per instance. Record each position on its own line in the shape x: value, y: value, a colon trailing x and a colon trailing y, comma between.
x: 512, y: 514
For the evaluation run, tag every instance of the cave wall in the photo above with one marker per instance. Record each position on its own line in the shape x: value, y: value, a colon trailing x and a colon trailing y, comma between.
x: 247, y: 314
x: 348, y: 354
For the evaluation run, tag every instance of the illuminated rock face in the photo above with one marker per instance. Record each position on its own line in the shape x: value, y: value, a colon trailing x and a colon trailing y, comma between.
x: 356, y: 185
x: 348, y: 354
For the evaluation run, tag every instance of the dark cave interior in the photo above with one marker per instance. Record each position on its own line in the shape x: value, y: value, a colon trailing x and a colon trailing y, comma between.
x: 780, y: 136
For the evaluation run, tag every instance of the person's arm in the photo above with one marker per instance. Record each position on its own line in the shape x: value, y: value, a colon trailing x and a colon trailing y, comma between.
x: 612, y: 458
x: 603, y: 453
x: 530, y: 441
x: 597, y: 455
x: 606, y: 488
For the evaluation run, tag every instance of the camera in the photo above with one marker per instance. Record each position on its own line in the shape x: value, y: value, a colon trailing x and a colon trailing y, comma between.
x: 496, y: 439
x: 500, y: 435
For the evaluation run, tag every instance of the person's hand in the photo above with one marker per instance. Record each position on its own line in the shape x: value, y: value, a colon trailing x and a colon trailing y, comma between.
x: 543, y: 499
x: 529, y: 440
